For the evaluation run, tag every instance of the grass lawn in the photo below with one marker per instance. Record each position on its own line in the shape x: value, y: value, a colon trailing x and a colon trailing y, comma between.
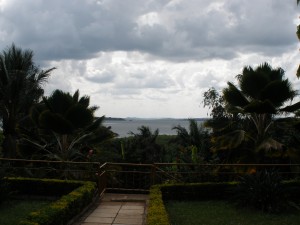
x: 14, y: 210
x: 222, y: 213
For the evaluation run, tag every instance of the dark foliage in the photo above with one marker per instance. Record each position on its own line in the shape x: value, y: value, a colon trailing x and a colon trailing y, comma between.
x: 262, y: 190
x: 20, y: 88
x: 4, y: 187
x: 142, y: 147
x: 193, y: 144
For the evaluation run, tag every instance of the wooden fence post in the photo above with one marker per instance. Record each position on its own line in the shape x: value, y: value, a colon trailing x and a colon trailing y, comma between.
x: 153, y: 174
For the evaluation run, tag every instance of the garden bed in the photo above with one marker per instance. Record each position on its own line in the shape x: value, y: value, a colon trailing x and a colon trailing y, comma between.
x: 72, y: 198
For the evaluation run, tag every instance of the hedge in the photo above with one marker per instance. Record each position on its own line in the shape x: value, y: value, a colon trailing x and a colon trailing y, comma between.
x: 157, y: 214
x: 59, y: 212
x: 197, y: 191
x: 42, y: 187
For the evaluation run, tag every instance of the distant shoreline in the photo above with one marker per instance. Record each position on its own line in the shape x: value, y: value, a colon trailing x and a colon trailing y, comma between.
x: 124, y: 126
x: 114, y: 119
x: 138, y: 118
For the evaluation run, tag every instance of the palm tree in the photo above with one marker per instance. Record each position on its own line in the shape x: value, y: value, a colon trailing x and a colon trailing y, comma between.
x: 20, y: 87
x: 67, y: 126
x: 298, y: 35
x: 142, y: 147
x: 196, y: 140
x: 261, y: 94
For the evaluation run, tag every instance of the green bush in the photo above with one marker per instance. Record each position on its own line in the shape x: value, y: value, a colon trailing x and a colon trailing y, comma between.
x: 62, y: 210
x: 4, y: 187
x: 197, y: 191
x: 44, y: 187
x: 157, y: 214
x: 263, y: 190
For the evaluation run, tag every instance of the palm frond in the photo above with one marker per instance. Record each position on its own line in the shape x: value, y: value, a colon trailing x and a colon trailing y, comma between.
x: 60, y: 101
x: 85, y: 101
x: 79, y: 116
x: 298, y: 70
x: 43, y: 76
x: 97, y: 123
x: 291, y: 108
x: 230, y: 140
x: 93, y: 108
x: 269, y: 144
x: 278, y: 92
x: 3, y: 72
x: 260, y: 107
x: 234, y: 96
x: 253, y: 81
x: 55, y: 122
x: 76, y: 96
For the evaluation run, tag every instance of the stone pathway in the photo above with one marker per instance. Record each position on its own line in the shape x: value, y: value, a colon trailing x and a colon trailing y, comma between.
x: 117, y: 209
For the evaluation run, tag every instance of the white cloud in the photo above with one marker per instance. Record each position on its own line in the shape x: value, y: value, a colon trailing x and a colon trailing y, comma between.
x: 153, y: 57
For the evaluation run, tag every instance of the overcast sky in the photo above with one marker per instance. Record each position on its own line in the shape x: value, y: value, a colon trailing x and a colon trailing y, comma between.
x: 151, y: 58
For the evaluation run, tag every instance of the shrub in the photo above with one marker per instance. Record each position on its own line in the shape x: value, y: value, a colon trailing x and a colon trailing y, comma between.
x: 262, y: 190
x: 157, y: 214
x: 4, y: 187
x: 44, y: 187
x: 197, y: 191
x: 65, y: 208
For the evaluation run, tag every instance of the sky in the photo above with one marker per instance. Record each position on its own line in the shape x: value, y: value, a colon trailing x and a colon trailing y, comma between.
x: 151, y: 58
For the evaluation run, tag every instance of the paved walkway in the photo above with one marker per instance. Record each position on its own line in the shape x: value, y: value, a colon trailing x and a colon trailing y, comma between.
x: 117, y: 209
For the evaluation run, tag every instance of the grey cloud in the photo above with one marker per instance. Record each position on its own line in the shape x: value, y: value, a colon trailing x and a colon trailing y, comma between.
x: 240, y: 26
x: 101, y: 77
x: 185, y: 30
x: 149, y: 81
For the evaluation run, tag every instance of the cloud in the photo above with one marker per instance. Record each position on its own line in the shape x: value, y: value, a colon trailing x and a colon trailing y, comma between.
x: 152, y: 57
x: 172, y: 30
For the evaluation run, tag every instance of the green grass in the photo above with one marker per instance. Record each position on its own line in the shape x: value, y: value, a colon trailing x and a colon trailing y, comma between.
x: 11, y: 212
x: 223, y: 213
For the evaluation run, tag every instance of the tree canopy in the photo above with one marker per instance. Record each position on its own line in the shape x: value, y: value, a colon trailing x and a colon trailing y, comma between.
x: 67, y: 125
x: 20, y: 87
x: 260, y: 94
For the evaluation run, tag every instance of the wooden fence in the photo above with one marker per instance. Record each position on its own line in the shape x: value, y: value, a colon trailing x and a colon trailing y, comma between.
x: 131, y: 177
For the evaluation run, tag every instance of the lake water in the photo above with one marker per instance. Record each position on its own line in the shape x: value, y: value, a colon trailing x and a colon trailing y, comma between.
x: 124, y: 127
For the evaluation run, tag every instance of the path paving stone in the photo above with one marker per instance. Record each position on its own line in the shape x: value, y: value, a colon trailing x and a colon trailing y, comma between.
x: 117, y: 209
x: 129, y: 221
x: 91, y: 219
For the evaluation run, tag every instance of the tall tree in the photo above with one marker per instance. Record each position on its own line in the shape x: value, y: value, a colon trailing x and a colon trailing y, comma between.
x: 298, y: 34
x: 20, y: 87
x: 261, y: 93
x: 142, y: 147
x: 194, y: 142
x: 67, y: 126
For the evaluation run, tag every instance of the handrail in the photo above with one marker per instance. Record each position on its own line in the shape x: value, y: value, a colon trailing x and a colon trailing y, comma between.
x: 103, y: 166
x: 121, y: 176
x: 168, y: 174
x: 48, y: 161
x: 147, y: 165
x: 129, y: 164
x: 223, y: 164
